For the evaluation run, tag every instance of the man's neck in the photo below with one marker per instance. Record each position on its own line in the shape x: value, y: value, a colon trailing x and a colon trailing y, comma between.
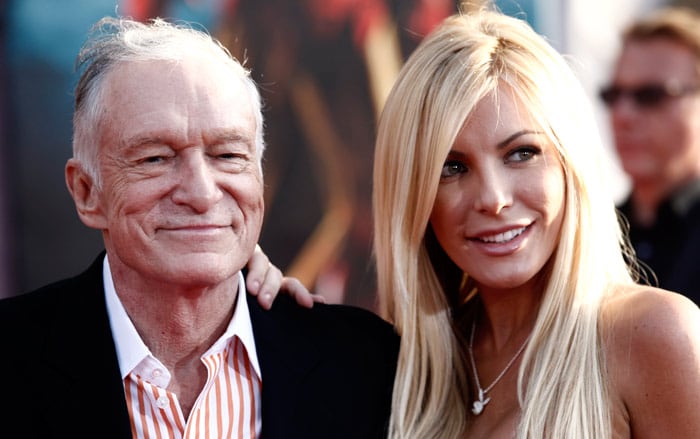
x: 178, y: 326
x: 644, y: 208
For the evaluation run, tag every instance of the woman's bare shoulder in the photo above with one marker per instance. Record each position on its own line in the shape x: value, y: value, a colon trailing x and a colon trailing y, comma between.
x: 638, y: 310
x: 651, y: 340
x: 641, y: 321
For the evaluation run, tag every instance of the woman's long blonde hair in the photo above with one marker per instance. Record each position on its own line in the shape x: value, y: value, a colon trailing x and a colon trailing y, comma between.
x: 561, y: 384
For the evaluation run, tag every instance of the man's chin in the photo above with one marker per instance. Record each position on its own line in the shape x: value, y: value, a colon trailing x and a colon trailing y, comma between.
x: 642, y: 170
x: 193, y: 278
x: 199, y: 269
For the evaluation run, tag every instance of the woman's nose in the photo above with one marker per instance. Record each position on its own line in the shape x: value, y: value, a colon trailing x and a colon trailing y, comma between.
x: 494, y: 192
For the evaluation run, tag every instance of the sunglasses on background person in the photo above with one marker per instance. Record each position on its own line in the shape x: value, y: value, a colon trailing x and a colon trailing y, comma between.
x: 647, y: 95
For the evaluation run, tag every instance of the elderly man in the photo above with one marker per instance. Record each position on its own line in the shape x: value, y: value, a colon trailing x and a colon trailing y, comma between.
x: 158, y: 338
x: 654, y: 104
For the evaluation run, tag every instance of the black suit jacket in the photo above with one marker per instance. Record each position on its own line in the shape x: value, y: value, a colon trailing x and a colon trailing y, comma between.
x: 327, y: 372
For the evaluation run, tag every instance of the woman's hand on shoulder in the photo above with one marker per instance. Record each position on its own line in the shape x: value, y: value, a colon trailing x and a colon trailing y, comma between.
x: 652, y: 339
x: 265, y: 281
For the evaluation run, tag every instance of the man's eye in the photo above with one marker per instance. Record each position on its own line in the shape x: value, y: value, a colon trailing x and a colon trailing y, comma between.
x: 154, y: 159
x: 226, y: 152
x: 230, y: 156
x: 451, y: 168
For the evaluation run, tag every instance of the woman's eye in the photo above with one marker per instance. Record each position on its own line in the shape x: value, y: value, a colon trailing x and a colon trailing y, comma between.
x: 451, y: 168
x: 522, y: 154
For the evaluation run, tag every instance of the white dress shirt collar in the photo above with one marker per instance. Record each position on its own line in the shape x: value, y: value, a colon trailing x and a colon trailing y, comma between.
x: 132, y: 351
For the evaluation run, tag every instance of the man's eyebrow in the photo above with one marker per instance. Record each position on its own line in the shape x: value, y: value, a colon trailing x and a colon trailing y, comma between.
x: 138, y: 141
x: 222, y: 136
x: 514, y: 136
x: 233, y: 136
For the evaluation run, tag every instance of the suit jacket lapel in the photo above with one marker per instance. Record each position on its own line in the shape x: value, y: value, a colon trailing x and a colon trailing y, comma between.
x: 80, y: 358
x: 80, y: 355
x: 287, y: 360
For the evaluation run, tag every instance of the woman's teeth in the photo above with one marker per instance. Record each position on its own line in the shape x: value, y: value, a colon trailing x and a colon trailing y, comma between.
x: 503, y: 237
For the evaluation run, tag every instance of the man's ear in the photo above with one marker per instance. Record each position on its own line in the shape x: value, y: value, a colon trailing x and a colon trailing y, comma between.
x: 86, y: 195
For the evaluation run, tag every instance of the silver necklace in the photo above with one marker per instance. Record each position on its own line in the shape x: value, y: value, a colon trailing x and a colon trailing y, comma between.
x: 478, y: 405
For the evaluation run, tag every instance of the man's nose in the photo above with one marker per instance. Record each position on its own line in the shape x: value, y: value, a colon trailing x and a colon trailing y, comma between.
x: 623, y: 111
x: 197, y: 185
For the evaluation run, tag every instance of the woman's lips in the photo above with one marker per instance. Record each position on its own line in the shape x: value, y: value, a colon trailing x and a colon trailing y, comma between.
x: 502, y: 243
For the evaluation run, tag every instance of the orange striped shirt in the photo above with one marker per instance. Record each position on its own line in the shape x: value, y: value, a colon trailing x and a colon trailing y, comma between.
x: 227, y: 407
x: 229, y: 404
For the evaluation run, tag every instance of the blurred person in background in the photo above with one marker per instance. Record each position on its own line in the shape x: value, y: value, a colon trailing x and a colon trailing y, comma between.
x: 654, y: 105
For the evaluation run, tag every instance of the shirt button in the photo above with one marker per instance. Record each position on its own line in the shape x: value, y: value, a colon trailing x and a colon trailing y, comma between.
x: 162, y: 402
x: 156, y: 373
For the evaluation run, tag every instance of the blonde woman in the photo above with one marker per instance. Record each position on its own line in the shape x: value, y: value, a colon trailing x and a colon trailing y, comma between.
x: 501, y: 260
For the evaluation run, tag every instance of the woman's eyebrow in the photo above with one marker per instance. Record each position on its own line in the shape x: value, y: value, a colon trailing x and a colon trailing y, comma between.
x: 514, y: 136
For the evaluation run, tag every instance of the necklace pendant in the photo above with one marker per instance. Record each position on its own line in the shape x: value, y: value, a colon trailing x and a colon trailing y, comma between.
x: 478, y: 406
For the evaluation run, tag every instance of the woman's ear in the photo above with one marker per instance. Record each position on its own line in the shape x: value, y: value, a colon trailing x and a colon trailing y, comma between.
x: 86, y: 195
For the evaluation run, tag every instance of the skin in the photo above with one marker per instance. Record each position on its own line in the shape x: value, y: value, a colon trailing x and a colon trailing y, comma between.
x: 500, y: 175
x: 265, y: 281
x: 181, y: 206
x: 652, y: 345
x: 482, y: 199
x: 659, y: 147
